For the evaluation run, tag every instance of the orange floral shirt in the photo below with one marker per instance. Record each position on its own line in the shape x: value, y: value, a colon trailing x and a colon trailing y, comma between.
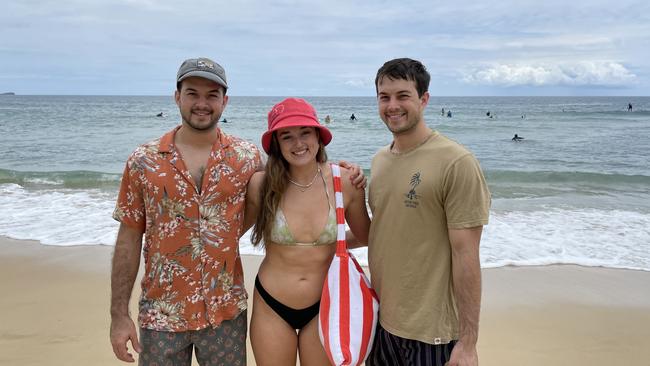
x: 193, y: 273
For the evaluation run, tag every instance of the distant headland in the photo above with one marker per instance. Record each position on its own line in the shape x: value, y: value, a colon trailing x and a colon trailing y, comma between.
x: 8, y: 93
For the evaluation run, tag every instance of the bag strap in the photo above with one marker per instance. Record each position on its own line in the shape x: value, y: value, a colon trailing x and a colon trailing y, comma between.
x: 341, y: 245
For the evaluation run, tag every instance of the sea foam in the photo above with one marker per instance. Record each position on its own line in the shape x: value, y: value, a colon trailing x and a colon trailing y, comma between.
x: 61, y: 217
x: 546, y: 235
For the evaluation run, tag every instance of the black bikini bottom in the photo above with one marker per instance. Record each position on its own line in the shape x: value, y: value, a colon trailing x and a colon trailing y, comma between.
x: 297, y: 319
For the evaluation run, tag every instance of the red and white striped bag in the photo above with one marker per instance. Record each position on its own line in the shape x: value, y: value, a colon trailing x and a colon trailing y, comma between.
x: 348, y: 306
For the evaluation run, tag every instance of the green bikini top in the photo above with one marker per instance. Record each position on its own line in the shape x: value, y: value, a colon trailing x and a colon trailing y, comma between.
x: 281, y: 234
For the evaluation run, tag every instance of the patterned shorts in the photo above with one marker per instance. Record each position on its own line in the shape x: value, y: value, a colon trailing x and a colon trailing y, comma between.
x: 389, y: 349
x: 224, y: 345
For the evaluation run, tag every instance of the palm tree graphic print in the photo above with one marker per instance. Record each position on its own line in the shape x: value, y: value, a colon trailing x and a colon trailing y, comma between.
x: 415, y: 181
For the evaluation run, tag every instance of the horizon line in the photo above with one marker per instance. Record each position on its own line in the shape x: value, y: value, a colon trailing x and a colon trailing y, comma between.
x: 325, y: 96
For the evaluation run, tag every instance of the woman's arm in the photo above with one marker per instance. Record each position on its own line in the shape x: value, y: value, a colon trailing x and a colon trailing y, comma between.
x: 252, y: 200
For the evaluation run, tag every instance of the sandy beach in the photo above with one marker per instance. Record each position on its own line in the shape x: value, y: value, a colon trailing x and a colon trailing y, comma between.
x: 54, y: 310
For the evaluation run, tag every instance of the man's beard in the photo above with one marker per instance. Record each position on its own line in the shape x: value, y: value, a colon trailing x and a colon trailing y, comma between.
x: 194, y: 126
x: 402, y: 129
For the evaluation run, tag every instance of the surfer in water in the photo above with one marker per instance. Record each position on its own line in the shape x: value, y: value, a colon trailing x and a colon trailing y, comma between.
x: 161, y: 114
x: 629, y: 107
x: 517, y: 138
x: 353, y: 117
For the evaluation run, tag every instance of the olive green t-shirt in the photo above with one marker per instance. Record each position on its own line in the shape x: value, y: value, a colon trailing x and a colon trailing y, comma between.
x: 415, y: 197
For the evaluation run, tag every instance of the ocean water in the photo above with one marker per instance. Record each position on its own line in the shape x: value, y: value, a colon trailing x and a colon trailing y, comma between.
x: 575, y: 190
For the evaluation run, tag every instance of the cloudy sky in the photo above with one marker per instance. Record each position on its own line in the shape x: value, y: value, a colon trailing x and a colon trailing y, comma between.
x: 323, y: 48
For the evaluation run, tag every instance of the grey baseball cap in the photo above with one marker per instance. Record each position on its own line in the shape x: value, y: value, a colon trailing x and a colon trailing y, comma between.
x: 204, y: 68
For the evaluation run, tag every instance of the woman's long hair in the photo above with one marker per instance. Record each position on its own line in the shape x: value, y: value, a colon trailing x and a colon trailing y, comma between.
x: 276, y: 174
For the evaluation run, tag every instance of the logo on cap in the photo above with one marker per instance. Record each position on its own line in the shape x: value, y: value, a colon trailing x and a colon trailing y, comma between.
x: 205, y: 64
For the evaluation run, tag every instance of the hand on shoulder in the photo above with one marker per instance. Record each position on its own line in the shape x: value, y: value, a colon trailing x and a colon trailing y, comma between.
x: 354, y: 174
x: 353, y: 183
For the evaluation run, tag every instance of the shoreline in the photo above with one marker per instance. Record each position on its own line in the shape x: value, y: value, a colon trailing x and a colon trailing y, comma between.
x: 56, y: 310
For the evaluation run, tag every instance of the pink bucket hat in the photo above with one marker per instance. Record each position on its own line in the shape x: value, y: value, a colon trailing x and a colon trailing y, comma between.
x: 293, y: 112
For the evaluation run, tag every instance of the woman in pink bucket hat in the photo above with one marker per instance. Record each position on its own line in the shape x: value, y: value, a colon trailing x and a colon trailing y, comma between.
x: 295, y: 204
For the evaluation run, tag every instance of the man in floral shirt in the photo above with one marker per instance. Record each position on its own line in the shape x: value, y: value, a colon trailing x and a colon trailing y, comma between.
x: 185, y: 193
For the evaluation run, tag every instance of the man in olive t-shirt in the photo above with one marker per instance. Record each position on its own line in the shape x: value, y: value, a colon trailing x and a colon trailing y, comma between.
x: 429, y: 202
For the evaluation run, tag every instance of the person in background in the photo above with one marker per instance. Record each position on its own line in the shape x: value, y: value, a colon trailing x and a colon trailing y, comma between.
x: 185, y: 193
x: 517, y: 138
x: 429, y: 202
x: 293, y: 205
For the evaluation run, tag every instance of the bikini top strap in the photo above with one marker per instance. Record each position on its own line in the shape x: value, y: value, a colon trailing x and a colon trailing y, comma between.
x: 327, y: 193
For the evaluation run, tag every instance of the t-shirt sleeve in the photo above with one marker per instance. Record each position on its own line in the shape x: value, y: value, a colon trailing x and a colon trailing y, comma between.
x: 467, y: 198
x: 130, y: 208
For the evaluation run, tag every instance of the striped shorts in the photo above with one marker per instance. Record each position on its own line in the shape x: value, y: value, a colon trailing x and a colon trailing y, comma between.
x: 224, y: 345
x: 389, y: 349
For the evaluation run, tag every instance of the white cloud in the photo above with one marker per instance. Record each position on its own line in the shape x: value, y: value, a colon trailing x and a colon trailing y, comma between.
x: 357, y: 83
x: 332, y: 47
x: 597, y: 73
